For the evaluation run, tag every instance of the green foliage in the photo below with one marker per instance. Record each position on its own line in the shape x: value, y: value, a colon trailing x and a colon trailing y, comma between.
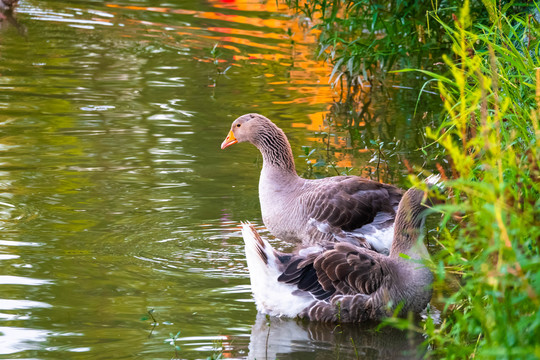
x: 363, y: 39
x: 490, y: 233
x: 172, y: 341
x: 488, y: 137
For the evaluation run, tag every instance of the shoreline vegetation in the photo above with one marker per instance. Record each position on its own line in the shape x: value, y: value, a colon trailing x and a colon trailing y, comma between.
x: 484, y: 144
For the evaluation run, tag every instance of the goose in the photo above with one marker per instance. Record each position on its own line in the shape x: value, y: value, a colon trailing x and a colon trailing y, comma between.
x: 340, y: 208
x: 341, y: 282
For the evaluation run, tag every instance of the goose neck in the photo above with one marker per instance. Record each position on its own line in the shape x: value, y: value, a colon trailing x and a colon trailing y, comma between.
x: 409, y: 224
x: 276, y: 151
x: 408, y: 239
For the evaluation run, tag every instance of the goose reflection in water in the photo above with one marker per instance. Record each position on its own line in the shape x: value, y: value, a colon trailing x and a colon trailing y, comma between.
x: 280, y: 338
x: 7, y: 16
x: 8, y: 5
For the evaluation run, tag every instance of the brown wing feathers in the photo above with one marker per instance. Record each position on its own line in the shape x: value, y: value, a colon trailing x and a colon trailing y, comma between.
x: 303, y: 275
x: 344, y: 270
x: 355, y: 204
x: 350, y: 269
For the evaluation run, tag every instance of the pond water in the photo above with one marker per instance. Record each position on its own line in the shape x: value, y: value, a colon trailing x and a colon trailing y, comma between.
x: 115, y: 198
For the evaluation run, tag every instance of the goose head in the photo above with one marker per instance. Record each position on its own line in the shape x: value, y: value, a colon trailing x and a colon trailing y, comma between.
x: 268, y: 138
x: 248, y: 128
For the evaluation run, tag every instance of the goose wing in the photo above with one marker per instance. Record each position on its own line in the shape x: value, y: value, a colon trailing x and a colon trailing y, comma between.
x: 340, y: 269
x: 349, y: 202
x: 350, y: 270
x: 299, y: 271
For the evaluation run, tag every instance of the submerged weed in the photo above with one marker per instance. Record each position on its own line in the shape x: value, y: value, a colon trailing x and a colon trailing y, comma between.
x: 172, y: 341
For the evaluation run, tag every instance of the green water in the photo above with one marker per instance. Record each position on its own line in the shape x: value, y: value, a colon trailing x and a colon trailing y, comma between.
x: 115, y: 197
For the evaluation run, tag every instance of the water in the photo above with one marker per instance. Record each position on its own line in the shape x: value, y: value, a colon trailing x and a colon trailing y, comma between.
x: 116, y: 199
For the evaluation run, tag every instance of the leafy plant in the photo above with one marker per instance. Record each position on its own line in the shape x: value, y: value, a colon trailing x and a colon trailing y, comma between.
x: 172, y: 341
x: 489, y: 236
x: 364, y: 39
x: 486, y: 147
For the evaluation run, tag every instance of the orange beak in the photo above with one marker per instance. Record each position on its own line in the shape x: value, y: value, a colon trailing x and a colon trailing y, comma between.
x: 230, y: 140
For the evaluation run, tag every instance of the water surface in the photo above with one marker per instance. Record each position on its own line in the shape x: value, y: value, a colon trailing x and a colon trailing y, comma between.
x: 116, y: 199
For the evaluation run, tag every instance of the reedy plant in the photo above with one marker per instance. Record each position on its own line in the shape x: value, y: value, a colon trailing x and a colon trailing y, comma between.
x: 490, y: 234
x: 489, y: 133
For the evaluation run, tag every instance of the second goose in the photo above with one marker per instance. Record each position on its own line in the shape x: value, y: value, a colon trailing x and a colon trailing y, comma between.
x: 342, y: 282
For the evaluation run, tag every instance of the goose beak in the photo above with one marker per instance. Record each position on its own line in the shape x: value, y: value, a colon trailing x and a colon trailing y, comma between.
x: 230, y: 140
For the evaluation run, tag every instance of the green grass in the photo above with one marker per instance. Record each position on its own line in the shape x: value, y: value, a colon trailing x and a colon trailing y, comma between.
x: 488, y: 135
x: 491, y: 229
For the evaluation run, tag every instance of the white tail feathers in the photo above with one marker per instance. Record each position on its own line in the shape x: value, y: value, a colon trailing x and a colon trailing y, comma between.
x: 257, y: 249
x: 271, y: 296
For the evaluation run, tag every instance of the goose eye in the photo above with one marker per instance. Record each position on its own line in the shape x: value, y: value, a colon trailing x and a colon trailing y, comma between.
x: 237, y: 125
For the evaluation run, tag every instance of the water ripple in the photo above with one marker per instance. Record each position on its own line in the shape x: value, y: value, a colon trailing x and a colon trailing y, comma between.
x: 20, y: 280
x: 15, y: 339
x: 9, y: 304
x: 19, y: 243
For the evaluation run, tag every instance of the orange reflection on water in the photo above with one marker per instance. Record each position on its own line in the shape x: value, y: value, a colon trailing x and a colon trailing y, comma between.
x: 317, y: 122
x: 271, y: 23
x: 252, y: 33
x: 284, y: 41
x: 296, y: 52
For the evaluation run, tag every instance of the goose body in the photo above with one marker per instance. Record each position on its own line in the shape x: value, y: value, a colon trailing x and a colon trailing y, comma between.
x: 340, y: 281
x: 340, y: 208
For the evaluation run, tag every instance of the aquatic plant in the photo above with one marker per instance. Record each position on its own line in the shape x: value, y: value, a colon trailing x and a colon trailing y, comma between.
x: 172, y: 341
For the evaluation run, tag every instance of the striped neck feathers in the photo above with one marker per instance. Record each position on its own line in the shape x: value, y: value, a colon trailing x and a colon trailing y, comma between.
x: 274, y: 147
x: 409, y: 224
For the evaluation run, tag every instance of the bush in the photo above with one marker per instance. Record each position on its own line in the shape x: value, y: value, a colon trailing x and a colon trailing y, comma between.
x: 490, y: 135
x: 364, y: 39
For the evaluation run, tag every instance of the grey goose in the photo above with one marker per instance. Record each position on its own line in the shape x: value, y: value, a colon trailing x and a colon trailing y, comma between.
x: 341, y: 282
x: 340, y: 208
